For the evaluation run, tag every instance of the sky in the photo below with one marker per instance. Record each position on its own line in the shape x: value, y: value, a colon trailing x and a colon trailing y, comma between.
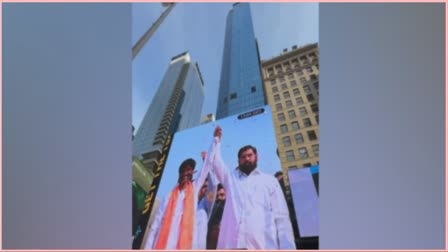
x: 257, y: 131
x: 199, y: 29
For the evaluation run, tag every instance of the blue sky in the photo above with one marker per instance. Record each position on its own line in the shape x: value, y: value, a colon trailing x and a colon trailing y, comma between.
x: 199, y: 28
x: 257, y: 131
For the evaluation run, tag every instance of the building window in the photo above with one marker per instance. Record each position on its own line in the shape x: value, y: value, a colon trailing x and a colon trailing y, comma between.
x: 281, y: 117
x: 290, y: 155
x: 317, y: 119
x: 277, y: 97
x: 303, y: 58
x: 271, y: 71
x: 284, y: 128
x: 303, y: 111
x: 282, y: 79
x: 299, y: 138
x: 313, y: 77
x: 296, y: 92
x: 291, y: 76
x: 309, y: 69
x: 275, y: 89
x: 273, y: 82
x: 286, y: 141
x: 300, y: 72
x: 310, y: 97
x: 292, y: 114
x: 295, y: 126
x: 295, y: 62
x: 278, y: 106
x: 316, y: 85
x: 307, y: 89
x: 253, y: 89
x: 287, y: 66
x: 278, y: 68
x: 316, y: 149
x: 288, y: 104
x: 233, y: 96
x: 293, y: 83
x: 286, y: 95
x: 284, y: 86
x: 317, y: 66
x: 307, y: 122
x: 303, y: 153
x: 312, y: 135
x: 303, y: 80
x: 299, y: 101
x: 315, y: 108
x: 307, y: 165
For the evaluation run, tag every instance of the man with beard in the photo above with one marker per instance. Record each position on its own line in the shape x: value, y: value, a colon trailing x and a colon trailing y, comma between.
x: 175, y: 225
x: 255, y: 213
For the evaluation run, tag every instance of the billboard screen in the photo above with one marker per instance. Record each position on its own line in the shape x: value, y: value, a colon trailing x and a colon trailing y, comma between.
x: 234, y: 201
x: 306, y: 200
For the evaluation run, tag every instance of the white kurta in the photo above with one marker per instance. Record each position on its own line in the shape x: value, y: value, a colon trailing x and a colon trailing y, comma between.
x: 200, y: 241
x: 255, y: 214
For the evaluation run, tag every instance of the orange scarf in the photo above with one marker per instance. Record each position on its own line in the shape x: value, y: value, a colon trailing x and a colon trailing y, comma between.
x: 186, y: 224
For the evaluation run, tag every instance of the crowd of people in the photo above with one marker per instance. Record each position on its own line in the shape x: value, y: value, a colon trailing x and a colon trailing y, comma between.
x: 249, y: 210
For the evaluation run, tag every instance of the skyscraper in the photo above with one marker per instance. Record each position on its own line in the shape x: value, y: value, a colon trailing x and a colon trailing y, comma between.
x: 241, y: 85
x: 176, y: 105
x: 292, y: 87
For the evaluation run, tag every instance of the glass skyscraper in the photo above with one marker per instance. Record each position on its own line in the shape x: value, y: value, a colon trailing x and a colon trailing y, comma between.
x: 241, y: 85
x: 177, y: 105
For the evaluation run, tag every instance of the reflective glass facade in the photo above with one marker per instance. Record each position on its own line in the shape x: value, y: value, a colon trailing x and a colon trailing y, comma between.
x: 241, y: 85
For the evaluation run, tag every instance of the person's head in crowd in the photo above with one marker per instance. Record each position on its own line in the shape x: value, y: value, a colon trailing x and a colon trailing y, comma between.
x: 203, y: 190
x: 186, y: 170
x: 279, y: 175
x: 221, y: 193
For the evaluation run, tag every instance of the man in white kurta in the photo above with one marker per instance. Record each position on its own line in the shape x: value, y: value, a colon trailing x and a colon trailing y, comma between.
x: 255, y: 214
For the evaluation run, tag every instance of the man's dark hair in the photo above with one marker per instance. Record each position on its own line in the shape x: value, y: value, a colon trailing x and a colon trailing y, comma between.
x: 279, y: 173
x: 187, y: 162
x: 220, y: 186
x: 245, y: 148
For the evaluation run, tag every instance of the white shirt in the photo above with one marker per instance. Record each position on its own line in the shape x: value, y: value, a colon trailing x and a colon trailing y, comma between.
x: 255, y: 214
x: 200, y: 242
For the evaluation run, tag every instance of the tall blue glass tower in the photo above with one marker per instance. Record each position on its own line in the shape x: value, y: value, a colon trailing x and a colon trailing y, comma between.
x: 241, y: 85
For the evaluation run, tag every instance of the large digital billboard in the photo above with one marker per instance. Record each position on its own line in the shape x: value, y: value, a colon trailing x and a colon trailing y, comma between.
x: 218, y: 188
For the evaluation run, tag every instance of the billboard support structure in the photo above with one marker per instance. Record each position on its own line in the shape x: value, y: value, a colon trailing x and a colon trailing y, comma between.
x: 140, y: 237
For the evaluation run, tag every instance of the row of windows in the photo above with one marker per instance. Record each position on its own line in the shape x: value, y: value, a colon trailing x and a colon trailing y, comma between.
x: 304, y: 165
x: 312, y: 57
x: 298, y: 138
x: 287, y: 95
x: 292, y: 114
x: 295, y: 125
x: 299, y: 101
x: 306, y: 87
x: 234, y: 95
x: 303, y: 153
x: 290, y: 75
